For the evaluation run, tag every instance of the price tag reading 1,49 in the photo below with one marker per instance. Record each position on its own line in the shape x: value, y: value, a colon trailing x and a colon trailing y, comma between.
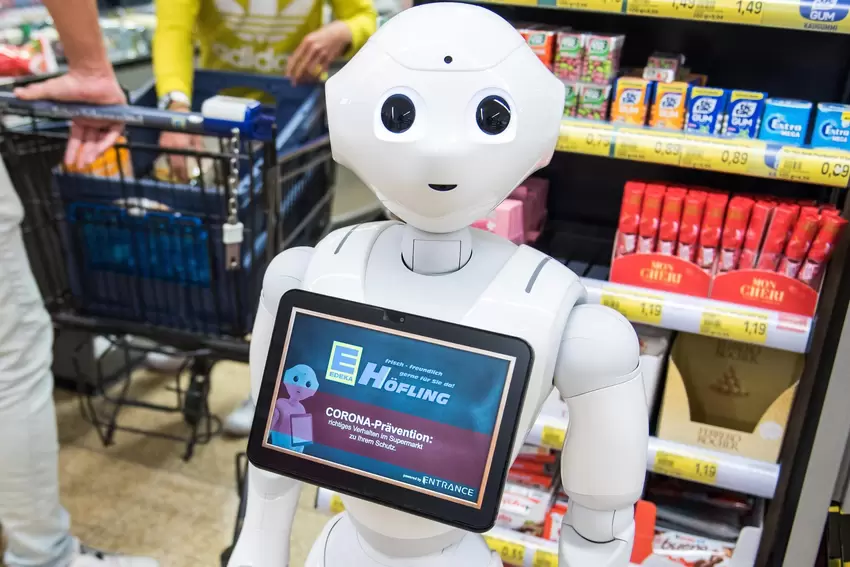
x: 510, y: 552
x: 736, y: 326
x: 687, y: 468
x: 636, y: 308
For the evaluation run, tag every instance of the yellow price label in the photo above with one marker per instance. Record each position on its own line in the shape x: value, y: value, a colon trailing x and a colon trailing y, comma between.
x: 636, y: 308
x: 641, y: 145
x: 734, y: 325
x: 553, y: 437
x: 544, y: 558
x: 687, y: 468
x: 820, y: 167
x: 591, y: 139
x: 592, y: 5
x: 336, y: 504
x: 807, y: 15
x: 682, y: 9
x: 739, y: 11
x: 510, y: 552
x: 740, y: 157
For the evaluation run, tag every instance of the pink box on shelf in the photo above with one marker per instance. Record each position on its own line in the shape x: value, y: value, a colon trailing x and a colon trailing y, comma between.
x: 506, y: 220
x: 533, y: 193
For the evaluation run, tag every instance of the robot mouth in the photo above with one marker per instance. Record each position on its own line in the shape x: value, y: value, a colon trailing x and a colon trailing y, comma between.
x: 437, y: 187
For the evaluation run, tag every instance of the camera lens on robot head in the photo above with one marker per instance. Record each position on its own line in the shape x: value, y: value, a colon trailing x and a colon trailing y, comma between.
x: 493, y: 115
x: 398, y: 113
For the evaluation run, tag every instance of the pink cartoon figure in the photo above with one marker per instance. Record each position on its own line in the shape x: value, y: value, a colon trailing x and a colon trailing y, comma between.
x: 292, y: 425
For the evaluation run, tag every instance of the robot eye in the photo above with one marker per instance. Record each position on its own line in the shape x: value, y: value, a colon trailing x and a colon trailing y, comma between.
x: 493, y: 115
x: 398, y: 113
x: 308, y: 385
x: 295, y: 379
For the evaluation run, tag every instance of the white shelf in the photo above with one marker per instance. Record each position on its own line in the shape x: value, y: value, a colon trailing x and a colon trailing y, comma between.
x: 733, y: 473
x: 686, y: 313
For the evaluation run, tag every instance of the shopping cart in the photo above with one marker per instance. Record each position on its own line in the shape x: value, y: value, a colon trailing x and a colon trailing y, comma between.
x: 163, y: 266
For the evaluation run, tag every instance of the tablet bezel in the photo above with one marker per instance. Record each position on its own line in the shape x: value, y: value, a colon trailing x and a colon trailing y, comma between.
x: 379, y: 491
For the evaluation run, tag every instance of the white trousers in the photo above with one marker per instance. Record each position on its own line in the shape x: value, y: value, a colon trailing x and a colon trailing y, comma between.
x: 35, y: 524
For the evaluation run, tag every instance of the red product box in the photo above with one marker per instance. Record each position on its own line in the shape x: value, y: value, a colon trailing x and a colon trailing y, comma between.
x: 776, y: 237
x: 712, y: 228
x: 541, y: 481
x: 554, y: 519
x: 690, y: 226
x: 671, y: 217
x: 650, y: 216
x: 799, y: 243
x: 541, y: 40
x: 821, y: 250
x: 630, y: 218
x: 734, y: 230
x: 759, y: 218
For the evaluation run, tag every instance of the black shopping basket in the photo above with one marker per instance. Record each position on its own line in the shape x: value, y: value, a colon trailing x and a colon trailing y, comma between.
x: 121, y: 250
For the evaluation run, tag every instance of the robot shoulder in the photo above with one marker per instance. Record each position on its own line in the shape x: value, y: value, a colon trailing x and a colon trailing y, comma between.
x: 352, y: 237
x: 547, y: 277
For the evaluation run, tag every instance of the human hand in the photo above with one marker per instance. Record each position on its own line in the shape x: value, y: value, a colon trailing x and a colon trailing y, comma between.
x: 181, y: 141
x: 89, y: 138
x: 317, y: 50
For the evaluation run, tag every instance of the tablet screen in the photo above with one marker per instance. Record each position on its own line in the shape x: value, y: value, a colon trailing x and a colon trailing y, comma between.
x: 401, y: 408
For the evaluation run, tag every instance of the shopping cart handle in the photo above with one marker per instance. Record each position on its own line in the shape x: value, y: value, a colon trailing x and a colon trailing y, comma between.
x: 220, y: 115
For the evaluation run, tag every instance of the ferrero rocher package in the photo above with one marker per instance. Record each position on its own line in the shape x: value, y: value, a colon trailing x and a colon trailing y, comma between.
x: 729, y: 396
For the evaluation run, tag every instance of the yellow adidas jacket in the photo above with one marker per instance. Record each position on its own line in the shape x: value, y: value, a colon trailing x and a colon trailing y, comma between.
x: 242, y: 35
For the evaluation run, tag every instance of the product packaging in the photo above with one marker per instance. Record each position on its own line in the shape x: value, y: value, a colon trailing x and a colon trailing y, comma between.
x: 821, y: 249
x: 734, y: 229
x: 664, y: 67
x: 712, y: 228
x: 776, y: 237
x: 799, y: 243
x: 630, y: 208
x: 679, y: 549
x: 654, y: 347
x: 601, y: 58
x: 728, y: 396
x: 671, y: 217
x: 785, y: 121
x: 670, y: 105
x: 523, y: 508
x: 506, y: 220
x: 743, y: 114
x: 650, y: 216
x: 759, y: 219
x: 705, y: 110
x: 113, y: 163
x: 554, y: 519
x: 533, y: 194
x: 593, y: 101
x: 541, y: 40
x: 631, y: 101
x: 569, y: 55
x: 691, y: 223
x: 570, y: 99
x: 832, y: 126
x: 34, y: 58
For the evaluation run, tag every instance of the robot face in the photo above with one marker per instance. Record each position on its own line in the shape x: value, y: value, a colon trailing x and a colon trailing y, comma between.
x: 443, y: 113
x: 300, y: 382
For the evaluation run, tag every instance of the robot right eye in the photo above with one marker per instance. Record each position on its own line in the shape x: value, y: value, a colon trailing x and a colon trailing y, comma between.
x: 398, y: 113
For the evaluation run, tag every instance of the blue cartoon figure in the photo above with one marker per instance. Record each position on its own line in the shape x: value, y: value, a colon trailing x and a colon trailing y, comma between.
x: 292, y: 425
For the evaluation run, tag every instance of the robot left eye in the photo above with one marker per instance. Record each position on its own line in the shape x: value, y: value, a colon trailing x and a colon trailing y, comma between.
x: 493, y: 115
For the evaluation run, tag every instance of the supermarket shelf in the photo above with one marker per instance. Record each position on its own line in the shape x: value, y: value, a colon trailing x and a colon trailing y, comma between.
x: 704, y: 316
x: 785, y: 14
x: 830, y: 168
x: 680, y: 461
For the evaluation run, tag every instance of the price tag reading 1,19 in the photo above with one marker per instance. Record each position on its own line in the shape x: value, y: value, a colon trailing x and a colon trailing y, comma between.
x: 736, y: 326
x: 636, y: 308
x: 510, y: 552
x: 581, y: 138
x: 543, y: 558
x: 687, y: 468
x: 639, y: 145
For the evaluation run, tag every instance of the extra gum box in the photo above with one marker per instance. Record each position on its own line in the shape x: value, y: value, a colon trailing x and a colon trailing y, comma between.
x: 670, y: 105
x: 743, y: 114
x: 832, y: 126
x: 785, y: 121
x: 706, y: 106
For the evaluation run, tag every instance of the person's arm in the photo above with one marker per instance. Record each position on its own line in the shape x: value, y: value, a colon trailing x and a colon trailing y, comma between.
x: 173, y: 46
x: 79, y: 28
x: 361, y: 18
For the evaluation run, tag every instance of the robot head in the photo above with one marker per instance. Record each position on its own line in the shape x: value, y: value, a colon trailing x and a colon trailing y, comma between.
x: 300, y: 382
x: 443, y: 113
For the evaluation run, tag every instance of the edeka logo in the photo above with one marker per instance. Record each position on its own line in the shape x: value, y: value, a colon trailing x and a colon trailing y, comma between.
x: 344, y: 363
x: 824, y: 14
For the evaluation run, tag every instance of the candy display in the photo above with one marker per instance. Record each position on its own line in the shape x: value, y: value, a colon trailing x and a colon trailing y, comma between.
x: 601, y: 58
x: 569, y: 56
x: 785, y: 121
x: 664, y: 67
x: 593, y: 101
x: 743, y: 114
x: 631, y: 100
x: 541, y: 40
x: 706, y: 108
x: 669, y: 105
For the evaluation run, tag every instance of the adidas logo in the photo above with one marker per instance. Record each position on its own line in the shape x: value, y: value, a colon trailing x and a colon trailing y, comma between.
x: 265, y: 61
x: 263, y: 21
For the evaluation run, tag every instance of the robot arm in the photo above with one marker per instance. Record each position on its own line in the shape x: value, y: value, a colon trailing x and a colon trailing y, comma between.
x: 272, y: 499
x: 603, y: 464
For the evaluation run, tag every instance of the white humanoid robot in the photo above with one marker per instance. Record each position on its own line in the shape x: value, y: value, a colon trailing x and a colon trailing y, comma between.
x: 442, y: 114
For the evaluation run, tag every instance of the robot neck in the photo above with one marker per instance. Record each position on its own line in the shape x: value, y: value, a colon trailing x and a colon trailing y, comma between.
x: 431, y: 254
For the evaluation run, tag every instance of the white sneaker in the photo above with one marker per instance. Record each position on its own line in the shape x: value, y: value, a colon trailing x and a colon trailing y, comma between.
x: 239, y: 422
x: 87, y: 557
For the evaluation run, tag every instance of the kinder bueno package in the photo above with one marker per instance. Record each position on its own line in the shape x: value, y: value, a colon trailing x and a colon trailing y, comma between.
x: 671, y: 217
x: 629, y: 218
x: 689, y: 230
x: 650, y: 218
x: 711, y: 230
x: 678, y: 549
x: 760, y: 217
x: 737, y: 218
x: 821, y: 249
x: 523, y: 508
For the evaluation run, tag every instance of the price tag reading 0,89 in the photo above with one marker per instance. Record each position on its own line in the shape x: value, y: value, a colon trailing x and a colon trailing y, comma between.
x: 744, y: 327
x: 638, y: 309
x: 511, y: 553
x: 637, y: 145
x: 687, y: 468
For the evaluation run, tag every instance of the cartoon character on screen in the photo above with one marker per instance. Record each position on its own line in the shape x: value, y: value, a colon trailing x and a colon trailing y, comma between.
x: 443, y: 113
x: 292, y: 425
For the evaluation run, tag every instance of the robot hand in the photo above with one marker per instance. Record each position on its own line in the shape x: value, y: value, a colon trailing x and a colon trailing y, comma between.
x: 603, y: 464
